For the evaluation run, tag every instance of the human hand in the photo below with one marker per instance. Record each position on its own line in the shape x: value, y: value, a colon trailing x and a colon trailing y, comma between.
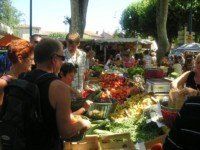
x: 189, y: 91
x: 86, y: 125
x: 87, y: 104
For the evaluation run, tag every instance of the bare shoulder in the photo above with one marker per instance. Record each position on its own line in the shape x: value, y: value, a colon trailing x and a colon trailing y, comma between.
x: 58, y: 87
x: 58, y: 92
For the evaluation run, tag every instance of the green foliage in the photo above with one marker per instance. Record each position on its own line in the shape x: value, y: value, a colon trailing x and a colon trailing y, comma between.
x: 118, y: 34
x: 9, y: 15
x: 57, y: 35
x: 137, y: 17
x: 141, y: 17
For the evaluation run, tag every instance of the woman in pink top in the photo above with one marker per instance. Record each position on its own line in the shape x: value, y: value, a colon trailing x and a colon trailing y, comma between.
x: 128, y: 61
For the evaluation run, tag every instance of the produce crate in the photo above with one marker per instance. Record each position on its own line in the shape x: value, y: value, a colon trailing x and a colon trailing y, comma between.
x: 99, y: 110
x: 116, y: 142
x: 169, y: 114
x: 157, y: 140
x: 90, y: 142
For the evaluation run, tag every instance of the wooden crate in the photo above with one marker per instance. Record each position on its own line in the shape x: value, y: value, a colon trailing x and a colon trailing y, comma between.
x: 90, y: 142
x: 159, y: 139
x: 116, y: 142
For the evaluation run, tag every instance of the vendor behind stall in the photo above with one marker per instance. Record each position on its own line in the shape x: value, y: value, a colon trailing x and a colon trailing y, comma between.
x: 147, y: 59
x: 177, y: 67
x: 128, y: 60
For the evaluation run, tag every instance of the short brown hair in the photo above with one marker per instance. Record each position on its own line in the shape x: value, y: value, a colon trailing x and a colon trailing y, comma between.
x: 73, y: 37
x: 19, y: 48
x: 67, y: 68
x: 45, y: 49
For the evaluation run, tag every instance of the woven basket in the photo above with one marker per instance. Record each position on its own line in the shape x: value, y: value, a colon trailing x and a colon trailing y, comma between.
x: 169, y: 114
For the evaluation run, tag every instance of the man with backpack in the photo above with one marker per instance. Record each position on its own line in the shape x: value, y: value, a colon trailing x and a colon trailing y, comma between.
x: 42, y: 117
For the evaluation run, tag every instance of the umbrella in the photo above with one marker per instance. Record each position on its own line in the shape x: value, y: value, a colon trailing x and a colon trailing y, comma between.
x: 191, y: 47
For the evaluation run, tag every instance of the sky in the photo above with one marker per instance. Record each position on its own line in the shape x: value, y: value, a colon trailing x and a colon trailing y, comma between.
x: 102, y: 15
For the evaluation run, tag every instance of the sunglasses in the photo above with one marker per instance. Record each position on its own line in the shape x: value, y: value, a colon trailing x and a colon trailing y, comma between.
x: 60, y: 56
x: 73, y: 42
x: 36, y: 42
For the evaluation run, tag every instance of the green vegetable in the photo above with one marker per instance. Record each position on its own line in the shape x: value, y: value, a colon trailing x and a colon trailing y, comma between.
x: 174, y: 75
x: 97, y: 68
x: 102, y: 132
x: 99, y: 125
x: 135, y: 71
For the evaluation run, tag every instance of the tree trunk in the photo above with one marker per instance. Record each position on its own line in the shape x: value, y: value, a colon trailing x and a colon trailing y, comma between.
x: 78, y: 16
x: 161, y: 22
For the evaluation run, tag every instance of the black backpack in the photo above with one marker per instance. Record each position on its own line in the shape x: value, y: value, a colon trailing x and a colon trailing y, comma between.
x: 21, y: 122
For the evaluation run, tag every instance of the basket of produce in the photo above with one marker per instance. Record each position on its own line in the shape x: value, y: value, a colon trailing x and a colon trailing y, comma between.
x: 171, y: 106
x: 99, y: 110
x: 169, y: 113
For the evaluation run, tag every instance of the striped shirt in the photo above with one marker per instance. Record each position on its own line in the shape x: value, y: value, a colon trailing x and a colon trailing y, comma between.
x: 78, y: 58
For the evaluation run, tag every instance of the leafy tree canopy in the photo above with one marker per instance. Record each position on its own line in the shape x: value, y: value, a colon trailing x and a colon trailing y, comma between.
x: 9, y: 15
x: 141, y: 17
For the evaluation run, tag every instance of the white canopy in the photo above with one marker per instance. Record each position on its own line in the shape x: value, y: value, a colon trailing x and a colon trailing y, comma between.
x: 5, y: 29
x: 191, y: 47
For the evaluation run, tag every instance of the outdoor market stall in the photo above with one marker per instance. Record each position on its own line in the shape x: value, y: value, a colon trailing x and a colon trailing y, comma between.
x: 126, y: 109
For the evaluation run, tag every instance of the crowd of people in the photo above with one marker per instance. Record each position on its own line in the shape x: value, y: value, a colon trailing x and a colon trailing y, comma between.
x: 126, y: 60
x: 46, y: 57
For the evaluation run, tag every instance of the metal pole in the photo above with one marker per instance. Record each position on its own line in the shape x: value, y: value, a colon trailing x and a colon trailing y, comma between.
x: 190, y: 18
x: 30, y: 18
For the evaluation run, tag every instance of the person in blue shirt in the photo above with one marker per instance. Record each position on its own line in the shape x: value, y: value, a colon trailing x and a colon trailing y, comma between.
x: 5, y: 64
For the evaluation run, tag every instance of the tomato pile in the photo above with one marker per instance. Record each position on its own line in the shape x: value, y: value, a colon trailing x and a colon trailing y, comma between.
x: 115, y: 87
x: 112, y: 80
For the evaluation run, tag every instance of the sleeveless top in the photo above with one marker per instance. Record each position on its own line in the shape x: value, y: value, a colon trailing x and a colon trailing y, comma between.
x: 49, y: 115
x: 190, y: 82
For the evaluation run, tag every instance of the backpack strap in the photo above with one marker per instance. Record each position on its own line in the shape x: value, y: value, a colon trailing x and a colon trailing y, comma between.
x: 45, y: 77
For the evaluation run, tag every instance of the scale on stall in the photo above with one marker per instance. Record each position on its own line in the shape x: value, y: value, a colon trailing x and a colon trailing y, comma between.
x: 157, y: 86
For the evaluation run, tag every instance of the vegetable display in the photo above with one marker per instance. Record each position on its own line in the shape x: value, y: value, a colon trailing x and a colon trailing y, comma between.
x: 135, y: 71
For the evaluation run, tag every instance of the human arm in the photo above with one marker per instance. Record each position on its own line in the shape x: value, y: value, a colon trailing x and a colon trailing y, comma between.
x: 179, y: 82
x: 68, y: 126
x: 83, y: 109
x: 3, y: 83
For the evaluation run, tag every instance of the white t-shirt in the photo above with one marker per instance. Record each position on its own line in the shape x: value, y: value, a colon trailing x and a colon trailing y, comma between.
x: 78, y: 58
x: 147, y: 59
